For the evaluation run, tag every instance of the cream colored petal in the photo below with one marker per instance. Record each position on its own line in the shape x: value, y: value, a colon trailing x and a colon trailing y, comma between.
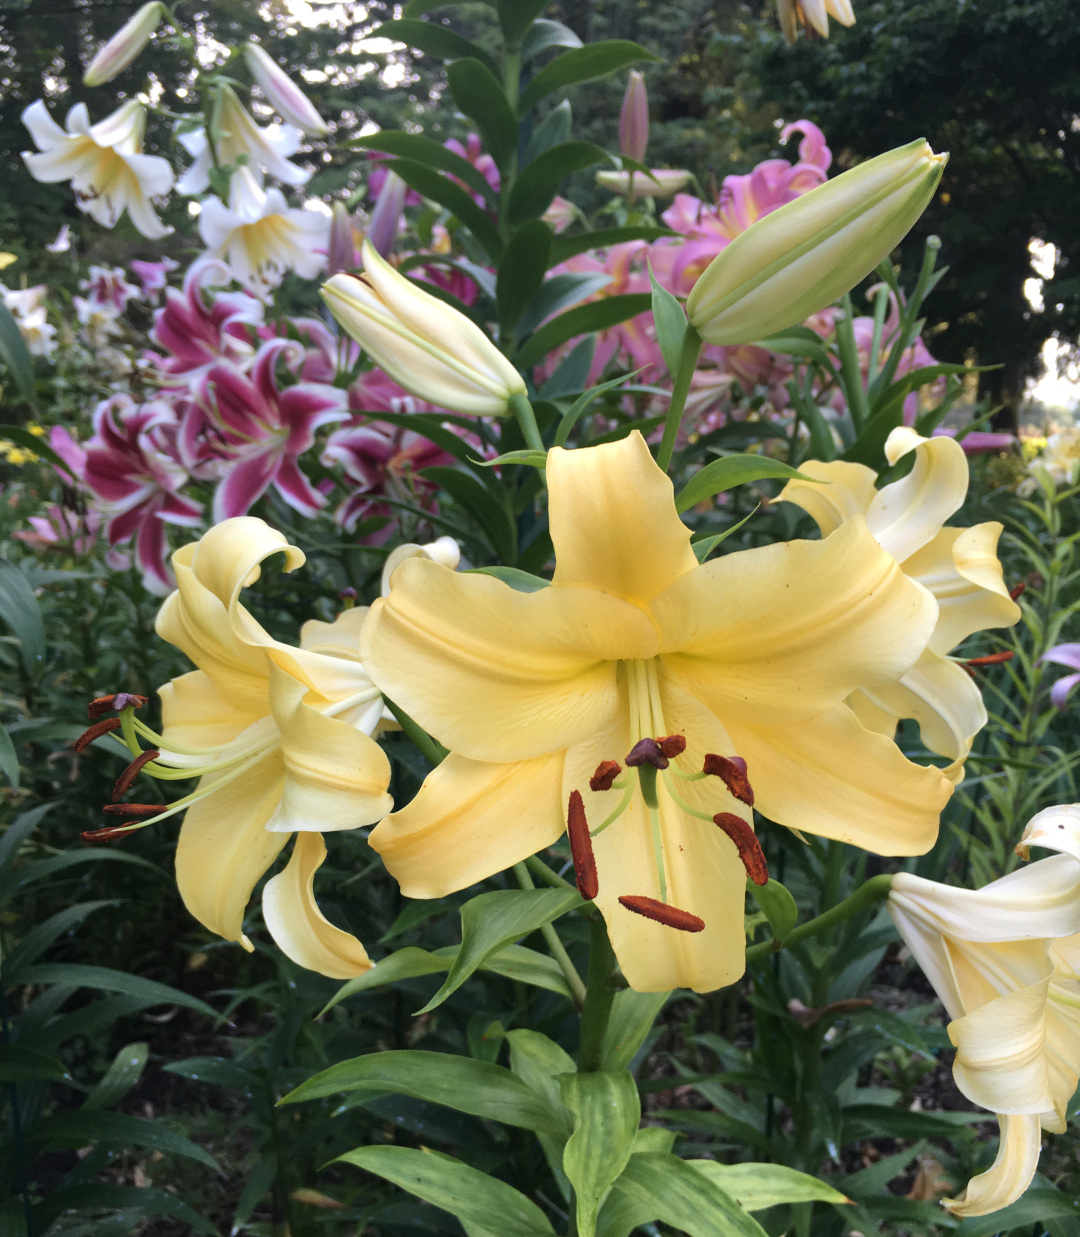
x: 908, y: 513
x: 773, y: 635
x: 942, y: 698
x: 1063, y: 1043
x: 613, y: 520
x: 196, y: 714
x: 1001, y: 1052
x: 928, y: 947
x: 336, y: 777
x: 831, y: 777
x: 704, y: 873
x: 225, y: 847
x: 1020, y: 1141
x: 298, y: 927
x: 961, y: 568
x: 341, y: 638
x: 444, y: 550
x: 1055, y: 828
x: 848, y: 491
x: 469, y: 821
x: 496, y: 674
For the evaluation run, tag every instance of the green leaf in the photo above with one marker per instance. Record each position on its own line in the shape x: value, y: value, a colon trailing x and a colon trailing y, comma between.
x: 115, y: 1129
x: 565, y: 247
x: 704, y: 546
x: 798, y: 341
x: 757, y: 1186
x: 20, y: 610
x: 653, y: 1138
x: 520, y: 581
x: 1036, y: 1207
x: 108, y: 980
x: 474, y: 1197
x: 524, y: 455
x: 9, y: 759
x: 256, y: 1187
x: 15, y: 355
x: 146, y: 1200
x: 545, y: 34
x: 19, y: 830
x: 559, y: 293
x: 432, y: 184
x: 433, y: 39
x: 124, y: 1072
x: 539, y: 180
x: 528, y: 966
x: 606, y: 1111
x: 581, y: 64
x: 728, y: 472
x: 664, y: 1187
x: 632, y: 1017
x: 889, y: 1122
x: 539, y: 1062
x: 423, y: 150
x: 516, y: 16
x: 42, y: 935
x: 895, y: 1030
x: 479, y: 95
x: 19, y: 1064
x: 214, y: 1071
x: 778, y: 906
x: 485, y: 507
x: 493, y: 920
x: 596, y: 316
x: 521, y: 271
x: 408, y: 963
x: 670, y: 319
x: 476, y: 1087
x: 556, y: 127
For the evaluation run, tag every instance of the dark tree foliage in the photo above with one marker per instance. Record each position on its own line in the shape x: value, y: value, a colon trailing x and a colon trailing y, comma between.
x: 994, y: 82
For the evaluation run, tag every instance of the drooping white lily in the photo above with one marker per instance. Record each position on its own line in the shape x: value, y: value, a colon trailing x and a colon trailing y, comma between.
x: 104, y: 162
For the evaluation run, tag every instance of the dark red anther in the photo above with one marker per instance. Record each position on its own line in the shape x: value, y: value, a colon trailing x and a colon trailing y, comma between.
x: 577, y: 829
x: 746, y: 843
x: 647, y: 752
x: 105, y: 726
x: 1016, y: 593
x: 348, y: 594
x: 123, y: 782
x: 114, y: 704
x: 672, y: 745
x: 606, y: 772
x: 992, y: 659
x: 109, y: 834
x: 669, y: 916
x: 731, y: 770
x: 135, y: 810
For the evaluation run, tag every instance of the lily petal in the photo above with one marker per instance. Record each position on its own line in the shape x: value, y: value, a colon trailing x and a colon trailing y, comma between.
x: 196, y: 714
x: 469, y: 821
x: 848, y: 491
x: 298, y: 927
x: 1056, y: 828
x: 1020, y: 1141
x: 908, y: 513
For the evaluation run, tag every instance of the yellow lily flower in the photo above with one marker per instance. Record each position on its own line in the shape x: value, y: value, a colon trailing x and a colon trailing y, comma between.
x: 1005, y: 961
x: 958, y: 565
x: 636, y: 648
x: 282, y: 739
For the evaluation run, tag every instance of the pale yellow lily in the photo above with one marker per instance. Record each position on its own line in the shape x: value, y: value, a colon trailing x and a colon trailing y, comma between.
x: 1005, y: 961
x: 282, y: 739
x: 753, y: 653
x: 958, y: 565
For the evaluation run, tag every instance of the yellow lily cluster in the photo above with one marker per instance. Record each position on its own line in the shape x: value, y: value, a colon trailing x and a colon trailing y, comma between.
x: 1005, y: 962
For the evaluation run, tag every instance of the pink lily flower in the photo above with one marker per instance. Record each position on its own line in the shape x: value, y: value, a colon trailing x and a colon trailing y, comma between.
x: 198, y: 328
x: 153, y: 276
x: 1063, y: 655
x: 107, y: 287
x: 62, y: 529
x: 473, y: 152
x: 263, y: 430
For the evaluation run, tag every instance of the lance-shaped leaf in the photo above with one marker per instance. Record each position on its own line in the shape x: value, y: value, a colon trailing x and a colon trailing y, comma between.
x: 559, y: 293
x: 20, y: 610
x: 124, y: 1072
x: 581, y: 64
x: 544, y: 34
x: 15, y: 355
x: 757, y: 1186
x: 493, y: 920
x: 114, y: 1129
x: 596, y: 316
x: 476, y: 1087
x: 670, y: 319
x: 632, y: 1017
x: 431, y: 184
x: 538, y: 180
x: 480, y: 1202
x: 606, y: 1112
x: 728, y: 472
x: 423, y: 150
x: 521, y: 271
x: 516, y: 16
x: 19, y: 1064
x: 479, y: 94
x: 565, y: 247
x: 431, y: 38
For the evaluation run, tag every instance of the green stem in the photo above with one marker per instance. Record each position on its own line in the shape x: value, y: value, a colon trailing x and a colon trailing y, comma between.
x: 521, y: 408
x: 691, y: 350
x: 875, y: 890
x: 855, y: 393
x: 432, y: 748
x: 597, y: 1010
x: 558, y: 949
x: 540, y: 869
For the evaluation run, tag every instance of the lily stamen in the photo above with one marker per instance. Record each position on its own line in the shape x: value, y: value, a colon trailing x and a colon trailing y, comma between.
x: 746, y: 843
x: 116, y: 703
x: 732, y: 772
x: 125, y: 780
x: 606, y: 773
x: 661, y: 912
x: 105, y: 726
x: 577, y: 829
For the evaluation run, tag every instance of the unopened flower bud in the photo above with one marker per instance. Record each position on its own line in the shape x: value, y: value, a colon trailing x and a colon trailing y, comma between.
x: 125, y: 45
x: 425, y: 345
x: 341, y: 251
x: 282, y: 93
x: 634, y: 119
x: 656, y: 183
x: 382, y: 229
x: 800, y: 258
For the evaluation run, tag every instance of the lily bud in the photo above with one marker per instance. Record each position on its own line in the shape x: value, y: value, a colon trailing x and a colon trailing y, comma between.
x: 800, y: 258
x: 125, y: 45
x: 634, y: 119
x: 282, y: 93
x: 341, y: 250
x: 426, y: 346
x: 656, y: 183
x: 382, y: 229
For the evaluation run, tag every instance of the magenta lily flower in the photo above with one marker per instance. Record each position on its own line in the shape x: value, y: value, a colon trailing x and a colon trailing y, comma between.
x: 197, y: 327
x: 61, y: 529
x: 153, y: 276
x: 1063, y: 655
x: 263, y: 430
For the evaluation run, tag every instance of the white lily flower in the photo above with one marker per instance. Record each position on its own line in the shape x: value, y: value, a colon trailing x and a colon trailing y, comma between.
x: 241, y: 141
x: 260, y: 236
x: 1005, y: 961
x: 27, y: 307
x: 104, y: 162
x: 282, y: 93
